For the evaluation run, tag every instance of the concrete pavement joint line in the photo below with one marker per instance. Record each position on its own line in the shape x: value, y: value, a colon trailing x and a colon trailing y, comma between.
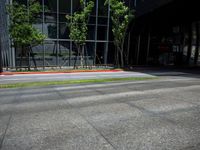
x: 126, y: 94
x: 182, y: 110
x: 105, y: 85
x: 99, y: 91
x: 171, y: 73
x: 9, y: 120
x: 195, y: 147
x: 113, y: 84
x: 75, y: 101
x: 162, y: 115
x: 4, y: 134
x: 107, y: 140
x: 151, y: 113
x: 79, y: 113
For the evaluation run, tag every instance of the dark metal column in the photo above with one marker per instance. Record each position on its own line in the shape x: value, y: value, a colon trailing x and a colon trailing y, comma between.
x: 148, y: 45
x: 107, y: 36
x: 57, y: 37
x: 135, y: 3
x: 197, y: 44
x: 138, y: 50
x: 1, y: 59
x: 71, y: 46
x: 43, y: 47
x: 189, y: 43
x: 96, y: 29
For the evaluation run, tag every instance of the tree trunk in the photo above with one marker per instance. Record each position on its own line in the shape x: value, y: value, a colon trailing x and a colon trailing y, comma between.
x: 29, y: 54
x: 75, y: 62
x: 122, y: 58
x: 86, y: 58
x: 128, y: 50
x: 21, y: 57
x: 78, y: 47
x: 122, y: 52
x: 33, y: 57
x: 81, y: 54
x: 116, y: 56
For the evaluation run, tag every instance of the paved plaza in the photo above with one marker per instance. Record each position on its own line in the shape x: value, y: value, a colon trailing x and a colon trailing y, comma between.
x: 132, y: 115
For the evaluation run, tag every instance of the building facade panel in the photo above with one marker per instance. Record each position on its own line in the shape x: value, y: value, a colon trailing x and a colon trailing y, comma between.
x: 146, y: 6
x: 6, y: 51
x: 58, y: 49
x: 162, y: 33
x: 167, y: 34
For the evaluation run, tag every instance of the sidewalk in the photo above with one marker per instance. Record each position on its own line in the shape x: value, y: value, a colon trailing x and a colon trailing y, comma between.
x: 59, y: 71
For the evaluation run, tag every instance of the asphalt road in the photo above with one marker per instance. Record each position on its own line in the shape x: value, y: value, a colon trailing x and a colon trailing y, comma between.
x: 162, y: 114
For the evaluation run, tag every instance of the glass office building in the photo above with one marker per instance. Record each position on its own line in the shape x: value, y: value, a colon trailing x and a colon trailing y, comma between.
x: 58, y: 49
x: 166, y: 32
x: 6, y: 52
x: 163, y: 33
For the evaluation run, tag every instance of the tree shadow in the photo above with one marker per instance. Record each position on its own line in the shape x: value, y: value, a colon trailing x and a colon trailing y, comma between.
x: 193, y: 72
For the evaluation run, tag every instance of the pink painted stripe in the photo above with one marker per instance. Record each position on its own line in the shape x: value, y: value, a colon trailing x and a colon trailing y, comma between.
x: 74, y: 71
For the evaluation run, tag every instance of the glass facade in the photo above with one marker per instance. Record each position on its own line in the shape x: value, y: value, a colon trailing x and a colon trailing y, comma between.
x: 6, y: 53
x: 166, y: 38
x: 58, y: 49
x: 155, y: 38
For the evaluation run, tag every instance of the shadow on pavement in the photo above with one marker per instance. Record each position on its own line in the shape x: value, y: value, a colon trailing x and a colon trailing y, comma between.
x: 168, y: 71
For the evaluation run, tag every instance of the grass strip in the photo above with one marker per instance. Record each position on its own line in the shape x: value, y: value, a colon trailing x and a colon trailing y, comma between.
x: 48, y: 83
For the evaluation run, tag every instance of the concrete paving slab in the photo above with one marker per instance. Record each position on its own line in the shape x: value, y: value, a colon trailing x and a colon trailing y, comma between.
x: 4, y: 123
x: 189, y: 122
x: 154, y: 115
x: 162, y: 105
x: 53, y: 130
x: 190, y: 96
x: 128, y: 128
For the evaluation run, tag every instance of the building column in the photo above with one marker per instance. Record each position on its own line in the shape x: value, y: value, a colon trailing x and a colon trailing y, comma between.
x: 1, y: 59
x: 43, y: 47
x: 71, y: 46
x: 96, y: 30
x: 197, y: 44
x: 138, y: 49
x: 148, y: 45
x: 11, y: 48
x: 57, y: 34
x: 107, y: 36
x: 189, y: 43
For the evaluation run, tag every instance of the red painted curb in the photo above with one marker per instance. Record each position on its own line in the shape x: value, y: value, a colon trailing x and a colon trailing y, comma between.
x: 75, y: 71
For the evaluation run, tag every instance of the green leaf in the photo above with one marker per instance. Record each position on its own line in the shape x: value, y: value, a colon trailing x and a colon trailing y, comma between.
x: 77, y: 23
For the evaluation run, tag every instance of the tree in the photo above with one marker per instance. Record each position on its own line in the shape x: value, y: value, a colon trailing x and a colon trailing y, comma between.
x: 77, y: 24
x: 121, y: 16
x: 21, y: 29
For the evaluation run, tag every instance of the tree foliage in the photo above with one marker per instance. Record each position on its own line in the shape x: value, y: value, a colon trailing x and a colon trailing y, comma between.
x: 22, y: 18
x: 21, y: 29
x: 121, y: 15
x: 77, y: 24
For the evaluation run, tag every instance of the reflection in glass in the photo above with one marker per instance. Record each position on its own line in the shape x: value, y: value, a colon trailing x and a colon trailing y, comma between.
x: 58, y: 49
